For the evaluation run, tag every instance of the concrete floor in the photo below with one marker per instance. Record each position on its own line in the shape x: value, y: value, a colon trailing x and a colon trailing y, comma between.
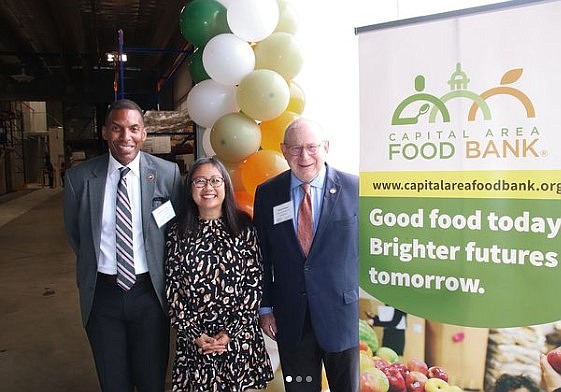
x: 42, y: 343
x: 43, y: 346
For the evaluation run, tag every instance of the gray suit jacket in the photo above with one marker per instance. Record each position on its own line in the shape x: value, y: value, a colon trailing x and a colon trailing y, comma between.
x: 83, y: 207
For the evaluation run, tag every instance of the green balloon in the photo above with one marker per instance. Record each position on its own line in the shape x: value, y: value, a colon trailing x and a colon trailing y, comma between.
x: 196, y: 67
x: 200, y: 20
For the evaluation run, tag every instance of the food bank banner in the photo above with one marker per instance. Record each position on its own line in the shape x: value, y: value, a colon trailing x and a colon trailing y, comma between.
x: 460, y: 164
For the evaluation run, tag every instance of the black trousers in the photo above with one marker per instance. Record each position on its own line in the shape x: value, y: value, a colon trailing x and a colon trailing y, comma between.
x: 301, y: 365
x: 129, y: 336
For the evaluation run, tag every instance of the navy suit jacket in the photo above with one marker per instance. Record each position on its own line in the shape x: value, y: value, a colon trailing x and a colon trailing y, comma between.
x: 327, y: 280
x: 84, y: 190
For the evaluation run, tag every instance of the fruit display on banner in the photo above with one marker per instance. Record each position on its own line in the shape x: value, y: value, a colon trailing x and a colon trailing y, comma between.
x: 413, y: 376
x: 554, y: 359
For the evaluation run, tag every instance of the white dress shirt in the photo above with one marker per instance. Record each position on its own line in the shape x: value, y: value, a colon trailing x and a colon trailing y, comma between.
x: 107, y: 262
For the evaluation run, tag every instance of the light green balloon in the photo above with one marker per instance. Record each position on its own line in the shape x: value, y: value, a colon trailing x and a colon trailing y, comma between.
x: 234, y: 137
x: 263, y: 94
x: 280, y: 52
x: 288, y: 19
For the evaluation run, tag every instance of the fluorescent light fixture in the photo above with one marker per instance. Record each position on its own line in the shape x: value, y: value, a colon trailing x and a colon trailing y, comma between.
x: 112, y: 57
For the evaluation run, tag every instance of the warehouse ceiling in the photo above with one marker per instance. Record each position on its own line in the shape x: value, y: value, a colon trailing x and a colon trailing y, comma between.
x: 52, y: 49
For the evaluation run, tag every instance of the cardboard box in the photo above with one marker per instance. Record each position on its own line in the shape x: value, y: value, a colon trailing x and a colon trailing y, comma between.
x: 462, y: 351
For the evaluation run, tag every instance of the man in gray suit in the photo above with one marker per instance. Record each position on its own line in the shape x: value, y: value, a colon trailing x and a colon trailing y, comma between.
x: 126, y: 324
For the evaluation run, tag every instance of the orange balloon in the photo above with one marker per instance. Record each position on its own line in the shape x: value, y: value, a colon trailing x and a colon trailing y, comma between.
x: 259, y: 167
x: 234, y: 171
x: 245, y: 202
x: 297, y: 100
x: 272, y: 131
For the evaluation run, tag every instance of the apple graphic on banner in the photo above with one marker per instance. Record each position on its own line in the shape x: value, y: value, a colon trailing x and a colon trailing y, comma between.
x: 415, y: 381
x: 437, y: 372
x: 554, y: 359
x: 395, y: 378
x: 388, y: 354
x: 373, y: 380
x: 365, y: 361
x: 415, y: 364
x: 380, y: 363
x: 436, y: 385
x: 401, y: 367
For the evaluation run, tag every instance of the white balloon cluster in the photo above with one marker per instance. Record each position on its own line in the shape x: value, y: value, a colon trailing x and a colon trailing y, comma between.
x: 245, y: 59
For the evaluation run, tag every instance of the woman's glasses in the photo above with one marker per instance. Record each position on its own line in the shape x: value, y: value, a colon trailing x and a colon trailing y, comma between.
x: 201, y: 182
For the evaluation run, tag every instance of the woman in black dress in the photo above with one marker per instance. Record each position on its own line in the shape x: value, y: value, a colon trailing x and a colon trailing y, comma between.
x: 213, y: 287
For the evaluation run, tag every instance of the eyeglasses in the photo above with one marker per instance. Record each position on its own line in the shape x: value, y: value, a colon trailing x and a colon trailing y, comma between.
x: 312, y: 149
x: 201, y: 182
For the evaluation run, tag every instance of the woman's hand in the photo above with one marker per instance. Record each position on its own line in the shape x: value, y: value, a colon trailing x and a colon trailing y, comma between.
x: 215, y: 344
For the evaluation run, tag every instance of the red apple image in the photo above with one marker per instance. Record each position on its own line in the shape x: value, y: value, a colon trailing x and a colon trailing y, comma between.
x: 380, y: 363
x: 401, y: 367
x: 395, y: 378
x: 417, y: 365
x: 437, y: 372
x: 554, y: 359
x: 415, y: 381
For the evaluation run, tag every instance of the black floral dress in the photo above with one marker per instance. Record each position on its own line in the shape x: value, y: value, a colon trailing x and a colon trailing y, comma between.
x: 213, y: 284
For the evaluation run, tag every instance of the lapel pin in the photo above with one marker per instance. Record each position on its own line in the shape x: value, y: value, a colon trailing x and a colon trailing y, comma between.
x: 151, y: 177
x: 333, y: 191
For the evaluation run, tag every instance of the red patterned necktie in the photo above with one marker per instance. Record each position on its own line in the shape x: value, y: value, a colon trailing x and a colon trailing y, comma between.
x: 305, y: 220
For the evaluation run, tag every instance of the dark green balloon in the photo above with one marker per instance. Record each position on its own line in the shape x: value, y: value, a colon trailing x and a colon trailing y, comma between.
x: 196, y: 67
x: 200, y: 20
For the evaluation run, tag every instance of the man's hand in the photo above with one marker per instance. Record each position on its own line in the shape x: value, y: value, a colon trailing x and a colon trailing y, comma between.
x: 269, y: 325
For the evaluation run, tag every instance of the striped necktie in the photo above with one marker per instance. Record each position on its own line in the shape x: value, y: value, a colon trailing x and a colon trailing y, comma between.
x: 125, y: 257
x: 305, y: 220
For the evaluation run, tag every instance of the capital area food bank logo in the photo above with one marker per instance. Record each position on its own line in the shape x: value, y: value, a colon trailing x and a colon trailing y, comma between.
x: 458, y: 83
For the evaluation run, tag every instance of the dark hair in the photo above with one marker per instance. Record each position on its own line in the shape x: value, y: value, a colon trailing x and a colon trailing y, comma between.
x: 120, y: 105
x: 235, y: 219
x: 509, y: 382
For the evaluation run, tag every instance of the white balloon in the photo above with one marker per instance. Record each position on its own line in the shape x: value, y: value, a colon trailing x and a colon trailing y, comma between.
x: 253, y: 20
x: 227, y: 59
x: 209, y: 100
x: 207, y: 147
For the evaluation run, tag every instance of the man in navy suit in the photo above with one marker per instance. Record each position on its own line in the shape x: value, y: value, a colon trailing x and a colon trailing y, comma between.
x: 128, y: 328
x: 310, y: 299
